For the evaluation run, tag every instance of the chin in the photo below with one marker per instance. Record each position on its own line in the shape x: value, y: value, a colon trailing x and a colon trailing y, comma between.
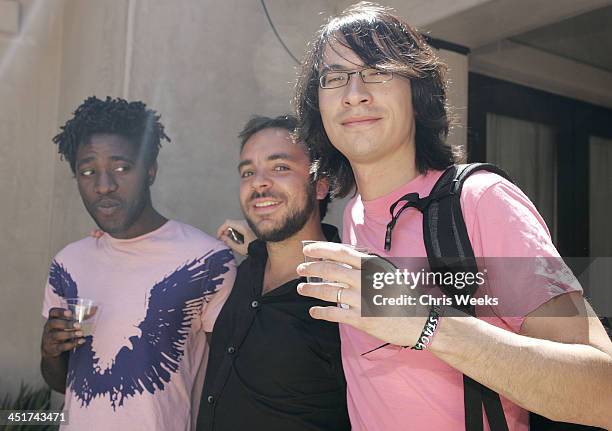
x: 266, y: 228
x: 357, y: 149
x: 112, y: 227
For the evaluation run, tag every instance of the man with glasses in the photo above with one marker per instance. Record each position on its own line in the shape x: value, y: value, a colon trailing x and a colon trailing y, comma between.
x: 371, y: 102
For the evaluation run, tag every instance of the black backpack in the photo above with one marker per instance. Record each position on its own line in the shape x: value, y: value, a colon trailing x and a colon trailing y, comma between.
x: 445, y: 236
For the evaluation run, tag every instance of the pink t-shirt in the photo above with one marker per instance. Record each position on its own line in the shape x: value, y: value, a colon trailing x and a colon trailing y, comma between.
x: 143, y: 367
x: 394, y: 388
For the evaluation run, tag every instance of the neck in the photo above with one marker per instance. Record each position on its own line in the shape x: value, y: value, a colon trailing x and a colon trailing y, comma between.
x: 285, y: 256
x: 380, y: 177
x: 148, y: 221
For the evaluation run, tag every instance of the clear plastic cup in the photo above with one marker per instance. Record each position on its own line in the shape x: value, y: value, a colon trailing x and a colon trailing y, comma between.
x: 312, y: 259
x: 85, y: 312
x: 361, y: 250
x: 320, y: 280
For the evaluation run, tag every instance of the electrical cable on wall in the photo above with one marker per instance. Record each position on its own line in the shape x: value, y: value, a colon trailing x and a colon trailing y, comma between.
x: 263, y: 4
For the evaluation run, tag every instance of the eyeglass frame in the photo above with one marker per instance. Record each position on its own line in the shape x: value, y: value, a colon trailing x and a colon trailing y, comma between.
x: 349, y: 74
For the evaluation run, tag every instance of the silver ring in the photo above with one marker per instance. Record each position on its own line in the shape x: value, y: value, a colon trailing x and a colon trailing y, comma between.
x: 339, y: 300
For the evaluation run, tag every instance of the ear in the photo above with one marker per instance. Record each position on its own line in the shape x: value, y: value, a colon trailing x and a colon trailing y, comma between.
x: 152, y: 173
x: 322, y: 188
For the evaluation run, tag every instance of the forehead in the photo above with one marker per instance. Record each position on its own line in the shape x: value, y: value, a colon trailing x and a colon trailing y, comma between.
x: 268, y: 142
x: 335, y: 54
x: 106, y: 145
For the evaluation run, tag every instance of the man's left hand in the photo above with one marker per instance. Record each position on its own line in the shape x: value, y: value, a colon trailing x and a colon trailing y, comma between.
x: 342, y: 264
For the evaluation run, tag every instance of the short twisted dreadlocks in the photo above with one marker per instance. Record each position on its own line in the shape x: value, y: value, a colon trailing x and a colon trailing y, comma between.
x: 131, y: 120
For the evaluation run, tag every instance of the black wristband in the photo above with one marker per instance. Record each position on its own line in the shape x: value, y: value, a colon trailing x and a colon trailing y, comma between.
x: 429, y: 329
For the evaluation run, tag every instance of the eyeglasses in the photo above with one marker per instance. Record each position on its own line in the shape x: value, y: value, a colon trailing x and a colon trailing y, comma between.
x: 337, y: 79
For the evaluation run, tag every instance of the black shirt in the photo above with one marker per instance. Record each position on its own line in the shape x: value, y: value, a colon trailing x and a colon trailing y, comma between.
x: 272, y: 366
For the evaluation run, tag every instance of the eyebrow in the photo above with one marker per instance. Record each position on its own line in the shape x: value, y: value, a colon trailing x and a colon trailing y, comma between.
x: 272, y: 157
x: 340, y: 67
x: 121, y: 159
x: 113, y: 158
x: 84, y: 160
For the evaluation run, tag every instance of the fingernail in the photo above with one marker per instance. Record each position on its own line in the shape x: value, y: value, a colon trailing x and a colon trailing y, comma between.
x: 81, y: 340
x: 79, y: 333
x: 76, y: 326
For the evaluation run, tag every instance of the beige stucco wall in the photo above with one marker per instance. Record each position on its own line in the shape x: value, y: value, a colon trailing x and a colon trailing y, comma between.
x: 29, y: 92
x: 205, y: 65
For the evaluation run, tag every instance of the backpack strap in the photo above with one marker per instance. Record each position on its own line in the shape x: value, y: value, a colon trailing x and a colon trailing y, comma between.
x: 444, y: 231
x: 449, y: 249
x: 472, y: 402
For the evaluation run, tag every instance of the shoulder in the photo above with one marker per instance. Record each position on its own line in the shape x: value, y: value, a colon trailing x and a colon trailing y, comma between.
x: 487, y: 190
x: 352, y: 215
x: 352, y: 202
x: 477, y: 184
x: 197, y: 238
x: 76, y: 250
x: 354, y: 207
x: 181, y: 242
x: 245, y: 268
x: 501, y: 220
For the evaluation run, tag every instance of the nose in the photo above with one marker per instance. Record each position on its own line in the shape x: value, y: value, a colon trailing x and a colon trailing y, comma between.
x: 105, y: 183
x: 356, y: 91
x: 260, y: 182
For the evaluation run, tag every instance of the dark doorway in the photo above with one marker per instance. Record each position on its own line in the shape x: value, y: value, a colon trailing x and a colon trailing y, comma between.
x: 558, y: 150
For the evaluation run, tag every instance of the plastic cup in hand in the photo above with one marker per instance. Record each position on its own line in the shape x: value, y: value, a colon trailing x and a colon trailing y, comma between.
x: 312, y: 259
x: 85, y: 312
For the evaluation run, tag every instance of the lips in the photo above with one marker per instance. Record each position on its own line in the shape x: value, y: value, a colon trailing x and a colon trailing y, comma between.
x: 107, y: 206
x: 264, y: 205
x: 359, y: 121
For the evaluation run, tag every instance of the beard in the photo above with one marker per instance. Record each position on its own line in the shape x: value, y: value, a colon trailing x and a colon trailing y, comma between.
x: 292, y: 223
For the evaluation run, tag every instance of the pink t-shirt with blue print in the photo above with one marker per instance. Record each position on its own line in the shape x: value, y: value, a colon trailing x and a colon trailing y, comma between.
x: 160, y: 293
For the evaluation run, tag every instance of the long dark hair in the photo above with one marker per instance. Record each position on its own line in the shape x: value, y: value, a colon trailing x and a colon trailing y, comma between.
x: 384, y: 41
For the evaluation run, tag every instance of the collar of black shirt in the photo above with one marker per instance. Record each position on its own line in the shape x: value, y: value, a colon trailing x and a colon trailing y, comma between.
x: 255, y: 263
x: 258, y: 251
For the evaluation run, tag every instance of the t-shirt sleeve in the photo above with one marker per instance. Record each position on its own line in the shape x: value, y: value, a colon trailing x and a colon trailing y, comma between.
x: 512, y: 241
x: 221, y: 268
x: 52, y: 297
x: 503, y: 222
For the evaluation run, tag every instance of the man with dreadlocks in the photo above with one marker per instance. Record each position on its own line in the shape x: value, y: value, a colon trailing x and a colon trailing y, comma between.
x: 158, y: 284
